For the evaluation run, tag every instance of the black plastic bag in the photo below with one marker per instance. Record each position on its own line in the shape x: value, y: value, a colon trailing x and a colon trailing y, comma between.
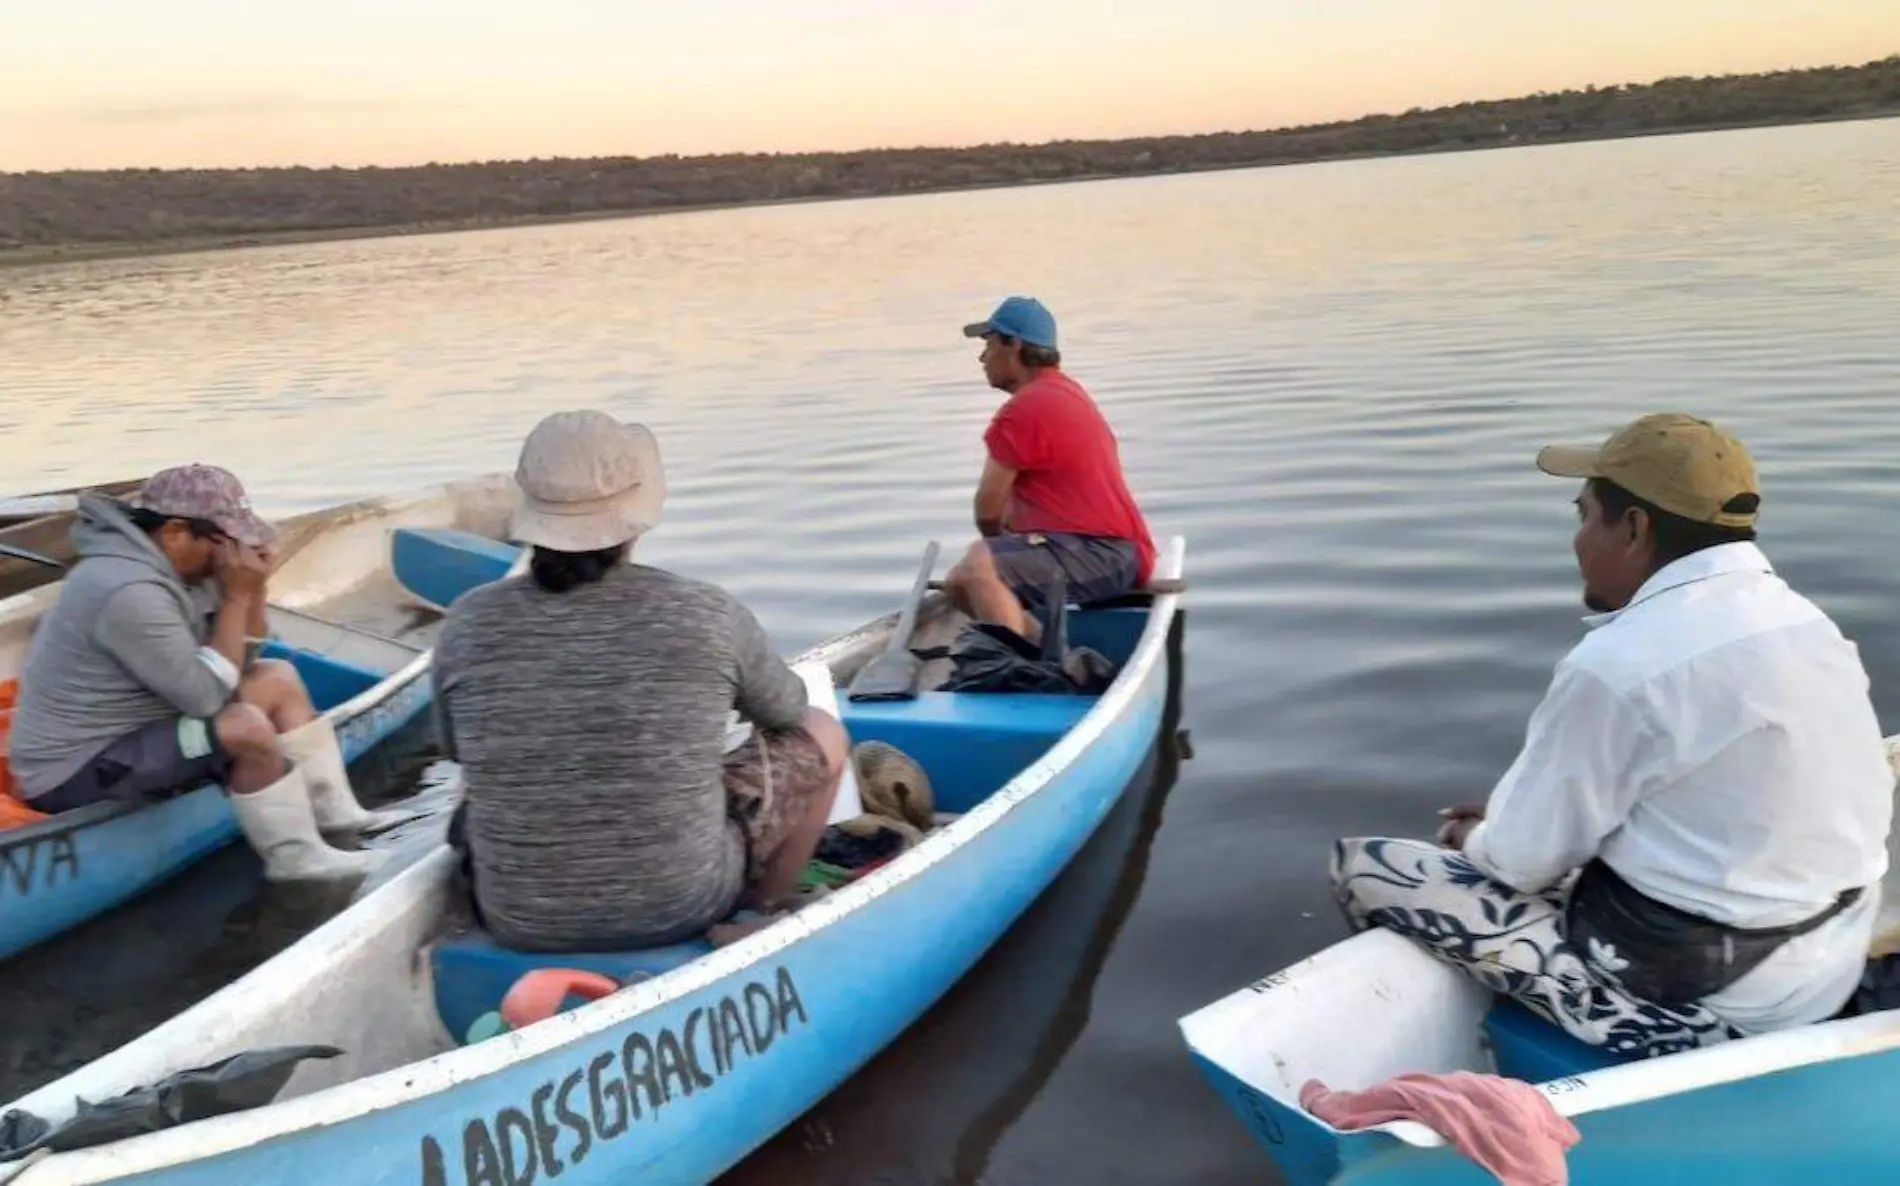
x: 857, y: 846
x: 243, y: 1081
x: 987, y: 657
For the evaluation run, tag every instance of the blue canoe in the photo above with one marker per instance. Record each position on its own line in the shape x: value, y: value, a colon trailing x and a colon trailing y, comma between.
x: 1812, y: 1104
x: 677, y: 1077
x: 339, y: 614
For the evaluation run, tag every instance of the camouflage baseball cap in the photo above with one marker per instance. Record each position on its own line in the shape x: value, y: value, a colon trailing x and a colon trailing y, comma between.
x: 199, y: 491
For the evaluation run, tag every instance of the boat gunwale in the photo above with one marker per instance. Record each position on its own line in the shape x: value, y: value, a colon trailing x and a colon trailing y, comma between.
x: 94, y: 815
x: 397, y: 1086
x: 340, y: 515
x: 382, y: 505
x: 65, y: 495
x: 1647, y: 1081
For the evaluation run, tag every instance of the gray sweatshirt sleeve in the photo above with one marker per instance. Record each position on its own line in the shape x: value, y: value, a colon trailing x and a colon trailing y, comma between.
x: 141, y: 627
x: 771, y: 695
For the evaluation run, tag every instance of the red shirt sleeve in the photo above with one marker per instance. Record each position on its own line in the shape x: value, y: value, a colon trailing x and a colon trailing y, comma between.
x: 1017, y: 436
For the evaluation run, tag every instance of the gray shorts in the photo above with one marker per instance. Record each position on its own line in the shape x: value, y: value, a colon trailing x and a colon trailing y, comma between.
x: 1096, y: 568
x: 156, y: 762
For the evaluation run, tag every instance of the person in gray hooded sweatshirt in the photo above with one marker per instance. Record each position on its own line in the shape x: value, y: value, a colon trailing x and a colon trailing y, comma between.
x: 139, y: 681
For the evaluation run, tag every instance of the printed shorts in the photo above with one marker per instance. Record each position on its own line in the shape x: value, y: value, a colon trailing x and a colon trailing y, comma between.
x: 163, y: 758
x: 771, y: 783
x: 1509, y: 941
x: 1096, y: 568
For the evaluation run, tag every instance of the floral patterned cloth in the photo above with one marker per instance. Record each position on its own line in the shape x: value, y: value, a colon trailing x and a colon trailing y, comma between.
x: 1511, y: 942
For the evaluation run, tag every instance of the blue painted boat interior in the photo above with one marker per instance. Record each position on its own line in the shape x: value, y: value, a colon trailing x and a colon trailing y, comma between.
x: 1529, y: 1048
x: 439, y: 564
x: 970, y: 744
x: 472, y: 972
x: 330, y: 681
x: 1113, y: 632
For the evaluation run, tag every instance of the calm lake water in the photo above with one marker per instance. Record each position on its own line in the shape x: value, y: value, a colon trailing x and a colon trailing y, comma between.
x: 1330, y: 379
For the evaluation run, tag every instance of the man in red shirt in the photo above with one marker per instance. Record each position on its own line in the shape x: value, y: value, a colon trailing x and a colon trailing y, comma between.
x: 1052, y: 499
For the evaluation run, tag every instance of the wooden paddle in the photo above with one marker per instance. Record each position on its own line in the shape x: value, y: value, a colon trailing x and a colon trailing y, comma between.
x: 893, y: 674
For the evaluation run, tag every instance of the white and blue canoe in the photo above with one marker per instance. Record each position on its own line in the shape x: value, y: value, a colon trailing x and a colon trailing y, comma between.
x: 1811, y: 1104
x: 339, y: 614
x: 674, y: 1078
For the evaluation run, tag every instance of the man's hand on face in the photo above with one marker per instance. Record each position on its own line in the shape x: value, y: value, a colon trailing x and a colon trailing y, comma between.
x: 241, y: 569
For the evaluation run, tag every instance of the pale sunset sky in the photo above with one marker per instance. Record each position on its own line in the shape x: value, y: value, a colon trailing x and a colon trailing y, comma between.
x: 109, y: 83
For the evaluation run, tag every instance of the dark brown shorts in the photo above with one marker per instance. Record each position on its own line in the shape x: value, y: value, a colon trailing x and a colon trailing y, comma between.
x: 771, y: 782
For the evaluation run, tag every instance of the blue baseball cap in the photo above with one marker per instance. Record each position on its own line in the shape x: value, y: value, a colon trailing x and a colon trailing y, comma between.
x: 1023, y: 318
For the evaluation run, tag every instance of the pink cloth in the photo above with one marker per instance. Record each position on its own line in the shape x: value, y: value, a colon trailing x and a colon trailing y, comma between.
x: 1505, y: 1125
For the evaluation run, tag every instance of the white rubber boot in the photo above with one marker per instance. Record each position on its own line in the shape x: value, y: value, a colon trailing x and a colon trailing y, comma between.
x: 280, y: 825
x: 314, y: 747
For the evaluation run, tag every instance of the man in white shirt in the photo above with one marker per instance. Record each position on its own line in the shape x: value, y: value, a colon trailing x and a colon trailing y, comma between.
x: 1690, y: 844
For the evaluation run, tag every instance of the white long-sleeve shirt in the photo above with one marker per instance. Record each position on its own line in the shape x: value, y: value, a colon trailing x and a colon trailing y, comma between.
x: 1713, y: 742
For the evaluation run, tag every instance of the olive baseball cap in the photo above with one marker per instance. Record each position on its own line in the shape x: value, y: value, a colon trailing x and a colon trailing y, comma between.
x: 1685, y: 466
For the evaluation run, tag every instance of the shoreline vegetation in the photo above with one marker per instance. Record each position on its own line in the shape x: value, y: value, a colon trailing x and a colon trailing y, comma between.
x: 94, y: 214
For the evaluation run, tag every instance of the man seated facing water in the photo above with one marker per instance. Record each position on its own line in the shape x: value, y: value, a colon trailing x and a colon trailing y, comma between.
x: 1706, y: 763
x: 587, y: 702
x: 138, y: 680
x: 1052, y: 498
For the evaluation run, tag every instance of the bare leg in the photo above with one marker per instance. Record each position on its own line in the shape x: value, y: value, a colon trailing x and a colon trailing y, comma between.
x: 782, y: 871
x: 976, y: 588
x: 248, y: 736
x: 274, y: 686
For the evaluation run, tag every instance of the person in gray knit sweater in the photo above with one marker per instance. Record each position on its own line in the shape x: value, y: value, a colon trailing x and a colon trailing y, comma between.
x: 587, y: 702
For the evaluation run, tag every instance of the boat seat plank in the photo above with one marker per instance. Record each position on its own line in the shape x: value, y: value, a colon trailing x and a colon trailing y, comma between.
x: 969, y: 744
x: 1529, y: 1048
x: 472, y: 972
x: 439, y: 564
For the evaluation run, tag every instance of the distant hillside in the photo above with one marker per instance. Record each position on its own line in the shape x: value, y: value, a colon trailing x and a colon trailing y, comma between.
x: 49, y: 215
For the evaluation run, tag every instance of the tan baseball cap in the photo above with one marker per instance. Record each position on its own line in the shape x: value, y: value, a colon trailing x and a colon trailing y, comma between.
x: 1686, y: 466
x: 587, y: 482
